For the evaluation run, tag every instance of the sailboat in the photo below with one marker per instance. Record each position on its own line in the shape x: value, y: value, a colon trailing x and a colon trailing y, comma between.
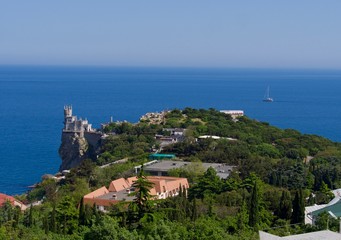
x: 267, y: 97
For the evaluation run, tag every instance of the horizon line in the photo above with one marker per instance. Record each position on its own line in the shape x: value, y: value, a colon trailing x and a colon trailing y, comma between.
x: 172, y: 67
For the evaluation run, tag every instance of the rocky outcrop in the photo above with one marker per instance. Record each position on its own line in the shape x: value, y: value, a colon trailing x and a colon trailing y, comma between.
x: 76, y: 147
x: 73, y: 150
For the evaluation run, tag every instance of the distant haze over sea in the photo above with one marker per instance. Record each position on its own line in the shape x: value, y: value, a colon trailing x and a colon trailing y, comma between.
x: 32, y: 100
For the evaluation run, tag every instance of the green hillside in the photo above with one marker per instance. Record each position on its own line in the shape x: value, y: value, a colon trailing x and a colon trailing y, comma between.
x: 277, y: 172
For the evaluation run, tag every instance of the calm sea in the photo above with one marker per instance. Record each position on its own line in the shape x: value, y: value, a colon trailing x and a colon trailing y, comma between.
x: 32, y: 100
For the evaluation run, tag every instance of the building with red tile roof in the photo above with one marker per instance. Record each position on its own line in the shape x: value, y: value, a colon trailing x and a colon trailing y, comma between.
x: 14, y: 202
x: 120, y: 190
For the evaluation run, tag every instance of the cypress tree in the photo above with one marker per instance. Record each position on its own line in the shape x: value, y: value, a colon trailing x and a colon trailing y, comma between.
x: 185, y: 202
x: 194, y: 209
x: 64, y: 225
x: 298, y: 208
x: 285, y: 206
x: 124, y: 219
x: 87, y: 215
x: 180, y: 191
x: 46, y: 224
x: 210, y: 211
x: 242, y: 216
x: 273, y: 179
x: 184, y: 192
x: 181, y: 203
x: 301, y: 206
x: 81, y: 216
x: 96, y: 214
x: 30, y: 217
x: 9, y: 210
x: 53, y: 219
x: 254, y: 206
x: 16, y: 217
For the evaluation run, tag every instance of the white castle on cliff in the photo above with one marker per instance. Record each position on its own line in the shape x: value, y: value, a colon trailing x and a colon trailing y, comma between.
x: 72, y: 124
x: 79, y: 141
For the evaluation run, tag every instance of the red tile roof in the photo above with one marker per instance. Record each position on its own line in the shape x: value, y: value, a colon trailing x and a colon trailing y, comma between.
x: 4, y: 198
x: 161, y: 184
x: 14, y: 202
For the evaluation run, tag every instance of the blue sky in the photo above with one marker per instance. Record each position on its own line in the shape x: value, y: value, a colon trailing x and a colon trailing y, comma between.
x: 185, y: 33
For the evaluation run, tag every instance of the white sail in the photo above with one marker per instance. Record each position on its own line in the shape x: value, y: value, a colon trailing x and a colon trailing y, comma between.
x: 267, y: 97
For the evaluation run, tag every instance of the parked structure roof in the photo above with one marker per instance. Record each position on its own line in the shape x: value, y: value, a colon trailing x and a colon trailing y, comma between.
x: 216, y: 137
x: 161, y: 156
x: 163, y: 166
x: 320, y: 235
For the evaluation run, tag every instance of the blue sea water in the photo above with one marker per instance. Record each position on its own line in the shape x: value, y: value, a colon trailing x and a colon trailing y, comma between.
x: 32, y: 100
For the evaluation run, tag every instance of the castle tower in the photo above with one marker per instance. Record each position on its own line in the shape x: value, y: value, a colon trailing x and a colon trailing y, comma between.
x: 69, y: 120
x: 67, y: 111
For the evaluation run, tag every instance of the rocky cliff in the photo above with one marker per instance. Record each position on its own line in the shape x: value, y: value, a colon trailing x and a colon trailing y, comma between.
x: 73, y: 150
x: 76, y: 147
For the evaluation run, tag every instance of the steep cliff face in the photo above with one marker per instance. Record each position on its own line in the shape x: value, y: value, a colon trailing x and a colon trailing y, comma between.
x: 73, y: 150
x: 76, y: 147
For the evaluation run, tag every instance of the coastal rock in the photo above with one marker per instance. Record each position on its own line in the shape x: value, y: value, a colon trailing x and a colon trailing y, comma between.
x: 73, y: 150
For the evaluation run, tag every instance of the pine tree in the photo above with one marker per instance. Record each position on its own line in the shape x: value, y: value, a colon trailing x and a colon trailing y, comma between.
x: 142, y: 193
x: 254, y: 207
x: 210, y: 183
x: 67, y: 214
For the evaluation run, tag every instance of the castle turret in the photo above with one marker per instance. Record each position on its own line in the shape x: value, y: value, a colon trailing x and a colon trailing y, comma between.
x: 67, y: 111
x: 69, y: 120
